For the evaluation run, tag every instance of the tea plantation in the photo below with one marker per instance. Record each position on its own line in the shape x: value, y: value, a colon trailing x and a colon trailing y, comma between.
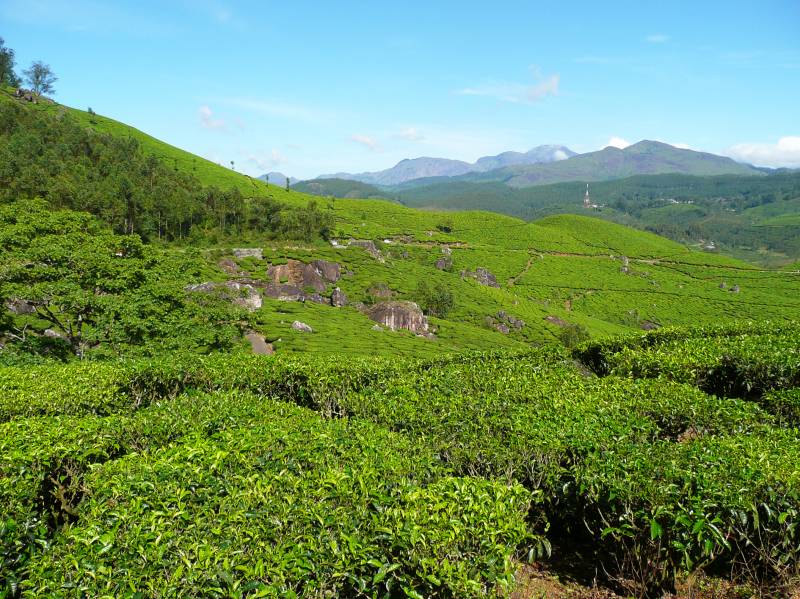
x: 587, y: 399
x: 281, y: 476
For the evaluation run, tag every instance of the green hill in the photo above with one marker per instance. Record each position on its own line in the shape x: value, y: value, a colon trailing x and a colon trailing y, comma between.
x: 559, y: 275
x: 754, y: 218
x: 341, y: 188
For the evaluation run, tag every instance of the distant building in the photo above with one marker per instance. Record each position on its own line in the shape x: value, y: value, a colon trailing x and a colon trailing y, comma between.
x: 587, y: 201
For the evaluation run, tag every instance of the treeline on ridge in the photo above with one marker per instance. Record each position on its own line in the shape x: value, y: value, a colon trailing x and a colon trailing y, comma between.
x: 51, y: 156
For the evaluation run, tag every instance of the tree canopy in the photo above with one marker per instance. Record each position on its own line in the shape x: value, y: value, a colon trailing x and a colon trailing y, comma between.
x: 7, y: 74
x: 41, y: 78
x: 83, y: 286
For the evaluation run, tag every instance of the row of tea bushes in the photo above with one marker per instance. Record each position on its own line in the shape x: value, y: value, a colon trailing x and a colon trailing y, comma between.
x: 741, y: 366
x: 318, y: 382
x: 599, y: 355
x: 650, y: 473
x: 259, y: 498
x: 44, y: 460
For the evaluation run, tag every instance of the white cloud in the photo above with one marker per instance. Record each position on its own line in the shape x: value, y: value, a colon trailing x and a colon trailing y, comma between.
x: 264, y: 163
x: 207, y: 119
x: 657, y: 38
x: 365, y: 141
x: 560, y: 155
x: 517, y: 93
x: 784, y: 153
x: 618, y: 142
x: 411, y: 134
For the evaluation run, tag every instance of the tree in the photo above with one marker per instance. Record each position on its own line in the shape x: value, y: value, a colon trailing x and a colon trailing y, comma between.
x: 41, y: 78
x: 437, y: 300
x: 7, y: 74
x: 91, y: 289
x: 287, y: 183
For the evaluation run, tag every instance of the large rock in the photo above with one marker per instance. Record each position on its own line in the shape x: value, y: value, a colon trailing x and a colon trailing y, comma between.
x: 314, y: 276
x: 229, y: 267
x: 399, y: 315
x: 445, y: 263
x: 258, y: 344
x: 248, y: 253
x: 330, y: 271
x: 302, y: 327
x: 20, y: 306
x: 284, y: 293
x: 240, y: 294
x: 338, y: 298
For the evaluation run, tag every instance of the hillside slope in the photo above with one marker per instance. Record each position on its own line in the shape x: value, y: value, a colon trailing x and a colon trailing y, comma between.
x: 559, y: 277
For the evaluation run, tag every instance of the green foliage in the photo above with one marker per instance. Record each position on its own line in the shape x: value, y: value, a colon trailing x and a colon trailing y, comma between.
x: 573, y: 334
x: 7, y: 74
x: 100, y: 292
x: 309, y: 506
x: 436, y: 300
x: 54, y: 157
x: 40, y: 78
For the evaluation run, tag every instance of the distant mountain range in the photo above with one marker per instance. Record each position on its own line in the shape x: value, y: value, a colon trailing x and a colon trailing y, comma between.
x: 554, y: 164
x: 643, y: 158
x: 426, y: 167
x: 277, y: 178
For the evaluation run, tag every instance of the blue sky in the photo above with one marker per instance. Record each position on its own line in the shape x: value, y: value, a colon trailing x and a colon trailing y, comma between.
x: 318, y: 87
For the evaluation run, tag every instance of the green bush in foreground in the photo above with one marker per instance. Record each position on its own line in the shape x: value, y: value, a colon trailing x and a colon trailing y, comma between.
x: 291, y: 505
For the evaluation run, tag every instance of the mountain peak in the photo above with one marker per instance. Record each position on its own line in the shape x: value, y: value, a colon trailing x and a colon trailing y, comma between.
x: 423, y: 167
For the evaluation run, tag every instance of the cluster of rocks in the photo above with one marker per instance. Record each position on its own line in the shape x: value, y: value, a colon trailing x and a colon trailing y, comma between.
x: 504, y: 322
x: 294, y: 281
x: 242, y: 294
x: 482, y: 275
x: 28, y: 96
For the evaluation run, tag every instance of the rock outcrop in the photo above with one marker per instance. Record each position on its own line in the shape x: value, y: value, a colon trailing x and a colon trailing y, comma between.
x: 241, y: 294
x: 399, y: 315
x: 315, y: 275
x: 338, y: 298
x: 284, y: 293
x: 302, y: 327
x: 482, y: 275
x: 330, y: 271
x: 258, y: 344
x: 248, y: 253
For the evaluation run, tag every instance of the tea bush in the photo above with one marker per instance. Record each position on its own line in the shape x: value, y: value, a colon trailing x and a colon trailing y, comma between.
x: 291, y: 505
